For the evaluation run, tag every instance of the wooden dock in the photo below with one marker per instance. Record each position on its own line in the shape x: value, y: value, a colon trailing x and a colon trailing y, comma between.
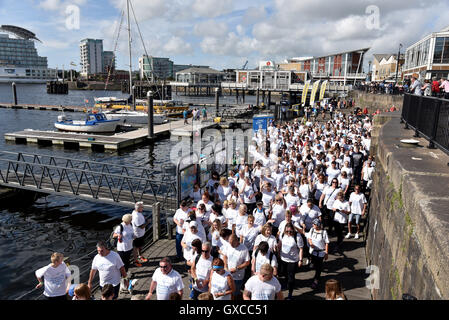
x: 101, y: 142
x: 43, y: 107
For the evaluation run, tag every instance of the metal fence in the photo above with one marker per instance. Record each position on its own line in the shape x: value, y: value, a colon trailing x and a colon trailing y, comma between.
x: 429, y: 117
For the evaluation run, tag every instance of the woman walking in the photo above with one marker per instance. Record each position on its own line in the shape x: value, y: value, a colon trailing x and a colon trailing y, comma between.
x: 56, y: 278
x: 319, y: 249
x: 125, y: 235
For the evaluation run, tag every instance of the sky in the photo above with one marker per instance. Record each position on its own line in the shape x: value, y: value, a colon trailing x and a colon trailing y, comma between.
x: 225, y: 33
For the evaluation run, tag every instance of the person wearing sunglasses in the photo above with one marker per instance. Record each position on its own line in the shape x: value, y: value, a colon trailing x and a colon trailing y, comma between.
x: 200, y: 271
x: 165, y: 280
x: 221, y: 283
x: 263, y: 286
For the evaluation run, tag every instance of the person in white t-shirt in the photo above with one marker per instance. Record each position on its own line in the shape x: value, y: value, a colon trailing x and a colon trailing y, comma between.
x: 186, y: 242
x: 260, y: 215
x: 319, y: 249
x: 139, y: 224
x: 224, y: 189
x: 341, y: 212
x: 249, y: 233
x: 125, y: 235
x: 263, y: 286
x: 290, y: 248
x: 196, y: 193
x: 357, y: 201
x: 179, y: 218
x: 327, y: 201
x: 221, y: 283
x: 263, y: 255
x: 236, y: 259
x: 110, y: 268
x: 277, y: 213
x: 56, y: 278
x: 240, y: 220
x: 309, y: 212
x: 165, y: 280
x: 201, y: 270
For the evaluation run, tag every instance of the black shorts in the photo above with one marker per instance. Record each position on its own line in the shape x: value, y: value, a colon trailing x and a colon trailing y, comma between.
x: 138, y: 242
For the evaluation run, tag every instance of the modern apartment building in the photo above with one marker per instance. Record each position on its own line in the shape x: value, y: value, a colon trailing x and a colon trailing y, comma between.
x: 429, y: 57
x: 91, y: 51
x: 19, y: 60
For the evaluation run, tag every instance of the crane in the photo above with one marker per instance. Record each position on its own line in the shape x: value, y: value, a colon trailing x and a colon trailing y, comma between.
x: 244, y: 66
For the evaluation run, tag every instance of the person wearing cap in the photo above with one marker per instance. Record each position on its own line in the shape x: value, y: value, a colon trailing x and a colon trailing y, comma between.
x: 165, y: 280
x: 187, y: 239
x: 125, y: 235
x: 260, y: 215
x: 139, y: 224
x: 221, y: 283
x: 263, y: 286
x: 319, y: 248
x: 56, y: 278
x: 179, y: 218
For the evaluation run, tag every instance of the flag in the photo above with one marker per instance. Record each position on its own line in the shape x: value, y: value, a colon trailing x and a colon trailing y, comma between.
x: 304, y: 92
x: 323, y: 90
x: 314, y: 90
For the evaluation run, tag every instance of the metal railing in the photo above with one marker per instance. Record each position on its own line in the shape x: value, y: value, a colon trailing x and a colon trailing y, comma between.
x: 87, y: 180
x: 429, y: 117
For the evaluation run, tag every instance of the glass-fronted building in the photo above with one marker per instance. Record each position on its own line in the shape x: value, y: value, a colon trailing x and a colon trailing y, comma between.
x: 19, y: 60
x: 155, y: 68
x: 429, y: 57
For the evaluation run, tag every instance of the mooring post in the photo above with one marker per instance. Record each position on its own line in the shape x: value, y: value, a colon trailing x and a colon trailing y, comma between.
x: 14, y: 93
x: 156, y: 221
x: 217, y: 101
x: 150, y: 115
x: 257, y: 99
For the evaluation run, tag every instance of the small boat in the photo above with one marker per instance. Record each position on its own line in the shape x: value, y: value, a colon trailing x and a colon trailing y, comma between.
x: 95, y: 122
x: 137, y: 117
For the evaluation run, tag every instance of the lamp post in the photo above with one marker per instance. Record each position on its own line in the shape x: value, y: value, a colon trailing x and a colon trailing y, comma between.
x: 397, y: 63
x: 369, y: 71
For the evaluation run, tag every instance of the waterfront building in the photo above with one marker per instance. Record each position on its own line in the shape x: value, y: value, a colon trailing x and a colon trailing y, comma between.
x: 91, y: 51
x: 155, y: 68
x: 429, y: 57
x: 19, y: 60
x: 200, y: 76
x: 108, y: 61
x: 385, y: 65
x: 340, y: 67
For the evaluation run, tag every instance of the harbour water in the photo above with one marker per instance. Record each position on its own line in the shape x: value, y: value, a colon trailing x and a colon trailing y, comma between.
x: 30, y: 232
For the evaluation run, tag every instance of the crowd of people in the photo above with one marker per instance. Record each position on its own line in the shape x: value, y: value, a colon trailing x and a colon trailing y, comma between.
x: 434, y: 87
x: 247, y: 234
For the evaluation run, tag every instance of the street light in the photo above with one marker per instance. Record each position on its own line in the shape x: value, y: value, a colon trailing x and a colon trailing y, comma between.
x: 397, y: 63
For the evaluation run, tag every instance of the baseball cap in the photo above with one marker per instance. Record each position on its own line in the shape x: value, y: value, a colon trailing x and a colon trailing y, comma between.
x: 317, y: 222
x: 193, y: 224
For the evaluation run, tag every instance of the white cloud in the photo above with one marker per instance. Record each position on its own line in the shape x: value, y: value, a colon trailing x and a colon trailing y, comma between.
x: 176, y: 45
x: 212, y: 8
x: 210, y: 28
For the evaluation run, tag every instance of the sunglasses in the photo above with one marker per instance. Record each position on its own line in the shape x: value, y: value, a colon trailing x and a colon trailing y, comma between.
x: 289, y: 231
x: 163, y: 267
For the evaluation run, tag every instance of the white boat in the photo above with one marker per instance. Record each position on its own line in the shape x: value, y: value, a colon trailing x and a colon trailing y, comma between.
x: 95, y: 122
x: 137, y: 117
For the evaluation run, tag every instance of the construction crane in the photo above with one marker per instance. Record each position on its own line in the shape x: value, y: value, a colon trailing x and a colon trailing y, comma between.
x: 244, y: 66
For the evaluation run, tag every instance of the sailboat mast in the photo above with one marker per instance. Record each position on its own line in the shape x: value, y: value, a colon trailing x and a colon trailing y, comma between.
x: 130, y: 65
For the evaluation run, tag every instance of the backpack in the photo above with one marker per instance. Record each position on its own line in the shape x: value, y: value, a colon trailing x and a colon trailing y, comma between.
x: 113, y: 241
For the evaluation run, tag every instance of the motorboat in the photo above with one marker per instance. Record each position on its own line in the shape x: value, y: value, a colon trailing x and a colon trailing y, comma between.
x: 94, y: 122
x: 137, y: 117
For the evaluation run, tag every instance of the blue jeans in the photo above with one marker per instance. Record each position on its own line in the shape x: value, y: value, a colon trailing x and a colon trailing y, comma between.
x: 178, y: 245
x: 238, y: 287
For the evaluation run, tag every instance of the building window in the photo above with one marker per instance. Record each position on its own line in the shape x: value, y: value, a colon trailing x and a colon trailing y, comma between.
x: 439, y: 46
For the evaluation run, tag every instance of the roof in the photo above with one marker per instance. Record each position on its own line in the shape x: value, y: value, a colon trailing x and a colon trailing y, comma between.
x: 379, y: 57
x: 200, y: 70
x: 364, y: 50
x: 19, y: 32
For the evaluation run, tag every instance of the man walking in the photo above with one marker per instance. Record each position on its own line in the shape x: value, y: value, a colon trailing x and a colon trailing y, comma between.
x: 416, y: 87
x: 165, y: 280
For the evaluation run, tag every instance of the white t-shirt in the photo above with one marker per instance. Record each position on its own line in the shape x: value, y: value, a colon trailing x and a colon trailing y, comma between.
x: 167, y: 283
x: 180, y: 215
x: 231, y: 215
x: 296, y: 224
x: 247, y: 193
x: 319, y: 187
x: 263, y: 259
x: 55, y: 279
x: 278, y: 214
x: 214, y: 238
x: 239, y: 222
x: 290, y: 249
x: 214, y: 217
x: 262, y: 290
x: 207, y: 205
x: 329, y: 196
x: 308, y: 215
x: 304, y: 190
x: 108, y: 268
x: 267, y: 197
x: 196, y: 195
x: 224, y: 192
x: 203, y: 269
x: 237, y: 256
x: 339, y: 216
x: 292, y: 200
x: 272, y: 242
x: 331, y: 174
x: 259, y: 217
x: 127, y: 237
x: 187, y: 239
x: 357, y: 201
x: 343, y: 183
x: 138, y: 220
x: 249, y: 235
x: 319, y: 240
x: 219, y: 284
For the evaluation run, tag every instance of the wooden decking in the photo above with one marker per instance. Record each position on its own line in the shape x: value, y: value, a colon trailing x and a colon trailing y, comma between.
x: 349, y: 269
